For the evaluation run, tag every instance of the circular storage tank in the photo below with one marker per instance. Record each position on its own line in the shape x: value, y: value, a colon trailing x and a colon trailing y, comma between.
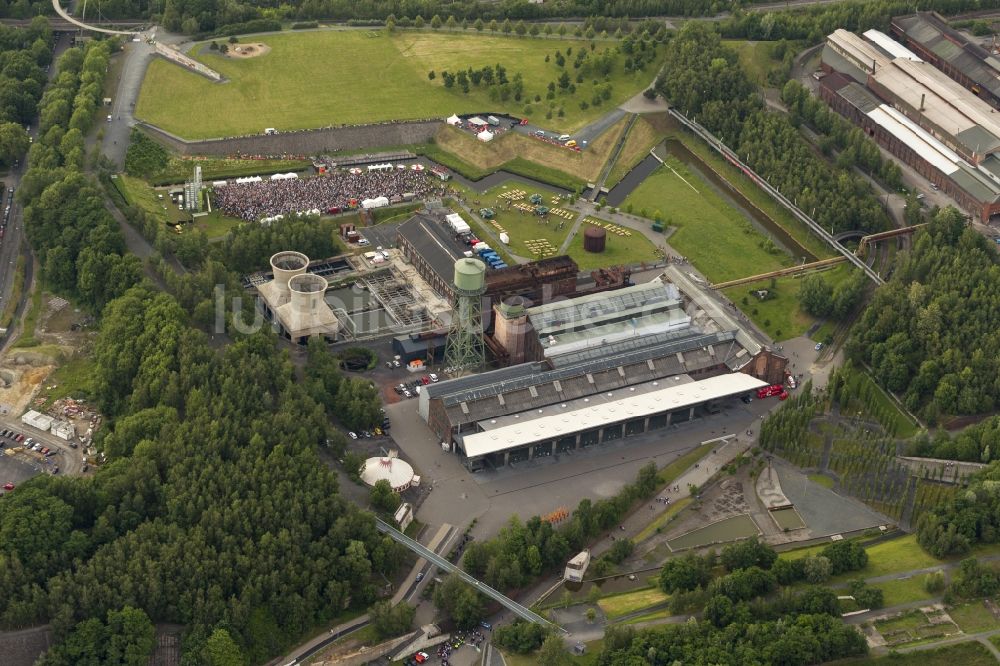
x: 287, y: 265
x: 595, y: 239
x: 307, y: 291
x: 470, y: 275
x: 398, y: 473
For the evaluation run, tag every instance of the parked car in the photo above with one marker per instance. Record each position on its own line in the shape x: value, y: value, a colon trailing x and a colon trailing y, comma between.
x: 433, y: 377
x: 425, y: 380
x: 486, y: 625
x: 45, y: 450
x: 420, y: 576
x: 8, y: 486
x: 819, y: 346
x: 352, y: 435
x: 407, y: 394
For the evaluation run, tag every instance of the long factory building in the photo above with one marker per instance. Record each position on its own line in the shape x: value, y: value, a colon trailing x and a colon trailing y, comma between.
x: 920, y: 115
x: 638, y: 359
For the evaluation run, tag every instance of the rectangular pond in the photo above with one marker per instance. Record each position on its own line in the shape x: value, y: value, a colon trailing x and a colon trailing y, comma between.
x: 787, y: 518
x: 727, y: 529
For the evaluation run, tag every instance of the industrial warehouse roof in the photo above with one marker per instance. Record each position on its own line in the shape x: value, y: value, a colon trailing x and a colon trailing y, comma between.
x: 977, y: 182
x: 919, y: 141
x: 561, y: 423
x: 506, y: 381
x: 600, y: 319
x: 858, y: 52
x: 935, y: 35
x: 433, y: 241
x: 943, y: 102
x: 605, y: 307
x: 889, y: 46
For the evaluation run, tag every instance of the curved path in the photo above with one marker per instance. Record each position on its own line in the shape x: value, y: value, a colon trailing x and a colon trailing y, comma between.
x: 62, y: 13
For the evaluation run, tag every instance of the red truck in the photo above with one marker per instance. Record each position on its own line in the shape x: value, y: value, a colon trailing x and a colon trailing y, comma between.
x: 772, y: 390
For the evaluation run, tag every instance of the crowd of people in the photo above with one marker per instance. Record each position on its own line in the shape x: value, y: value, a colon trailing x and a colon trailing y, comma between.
x: 336, y: 189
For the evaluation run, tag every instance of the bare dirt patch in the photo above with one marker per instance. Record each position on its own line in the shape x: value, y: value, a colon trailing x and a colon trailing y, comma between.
x: 243, y: 51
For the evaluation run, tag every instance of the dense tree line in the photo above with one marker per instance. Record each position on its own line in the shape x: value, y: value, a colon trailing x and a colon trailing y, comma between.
x: 854, y: 147
x: 211, y: 457
x: 249, y: 246
x: 24, y: 55
x: 821, y: 299
x: 78, y: 243
x: 744, y: 619
x: 977, y: 443
x: 739, y: 638
x: 969, y: 518
x: 815, y: 23
x: 126, y: 638
x: 705, y: 80
x: 931, y: 333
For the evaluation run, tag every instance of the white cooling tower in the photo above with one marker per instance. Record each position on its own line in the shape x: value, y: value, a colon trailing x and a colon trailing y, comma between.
x: 287, y: 265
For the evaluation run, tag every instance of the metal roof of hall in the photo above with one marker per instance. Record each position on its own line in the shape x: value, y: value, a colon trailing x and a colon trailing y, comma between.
x: 430, y: 238
x: 929, y: 30
x: 574, y: 364
x: 595, y: 308
x: 628, y: 406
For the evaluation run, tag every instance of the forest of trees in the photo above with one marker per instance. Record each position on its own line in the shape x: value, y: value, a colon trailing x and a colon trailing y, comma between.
x: 738, y: 624
x: 971, y: 517
x: 932, y: 332
x: 213, y: 510
x: 24, y: 55
x: 704, y: 79
x: 977, y: 443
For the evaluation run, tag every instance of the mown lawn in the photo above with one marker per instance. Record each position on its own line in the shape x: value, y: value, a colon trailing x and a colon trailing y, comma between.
x: 622, y: 604
x: 333, y: 77
x: 904, y: 591
x: 780, y: 315
x: 712, y: 234
x: 633, y: 249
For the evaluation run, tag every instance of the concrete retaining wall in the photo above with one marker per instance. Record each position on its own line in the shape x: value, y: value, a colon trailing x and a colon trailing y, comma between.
x: 304, y: 142
x: 179, y: 58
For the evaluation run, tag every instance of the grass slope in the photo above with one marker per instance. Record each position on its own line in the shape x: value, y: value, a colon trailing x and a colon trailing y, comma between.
x: 618, y: 605
x: 333, y: 77
x: 640, y: 141
x: 584, y: 166
x: 713, y: 235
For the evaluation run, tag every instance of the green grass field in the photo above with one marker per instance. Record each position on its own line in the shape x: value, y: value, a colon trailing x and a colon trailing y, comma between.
x: 523, y: 226
x: 795, y: 228
x: 619, y: 250
x: 138, y: 192
x: 962, y: 654
x: 904, y: 591
x: 973, y: 617
x: 622, y: 604
x: 333, y: 77
x: 713, y: 235
x: 780, y: 315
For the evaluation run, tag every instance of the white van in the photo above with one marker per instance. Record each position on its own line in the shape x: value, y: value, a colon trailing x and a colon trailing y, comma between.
x: 564, y: 137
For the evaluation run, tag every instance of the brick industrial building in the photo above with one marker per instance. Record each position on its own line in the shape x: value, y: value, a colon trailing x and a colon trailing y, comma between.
x: 928, y: 35
x: 924, y: 118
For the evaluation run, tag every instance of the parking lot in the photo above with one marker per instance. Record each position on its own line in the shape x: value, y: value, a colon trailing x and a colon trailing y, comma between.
x: 16, y: 471
x: 67, y: 459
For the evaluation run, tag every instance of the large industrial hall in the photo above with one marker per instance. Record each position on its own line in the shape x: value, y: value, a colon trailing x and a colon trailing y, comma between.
x: 595, y: 369
x: 919, y: 113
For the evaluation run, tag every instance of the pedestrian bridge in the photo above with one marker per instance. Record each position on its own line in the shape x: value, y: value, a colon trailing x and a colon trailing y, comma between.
x: 521, y: 611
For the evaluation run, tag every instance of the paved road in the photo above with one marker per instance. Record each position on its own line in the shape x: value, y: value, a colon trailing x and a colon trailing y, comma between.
x: 137, y: 57
x: 13, y: 241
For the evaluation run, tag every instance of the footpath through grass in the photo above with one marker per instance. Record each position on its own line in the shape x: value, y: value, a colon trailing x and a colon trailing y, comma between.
x: 712, y: 234
x: 333, y: 77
